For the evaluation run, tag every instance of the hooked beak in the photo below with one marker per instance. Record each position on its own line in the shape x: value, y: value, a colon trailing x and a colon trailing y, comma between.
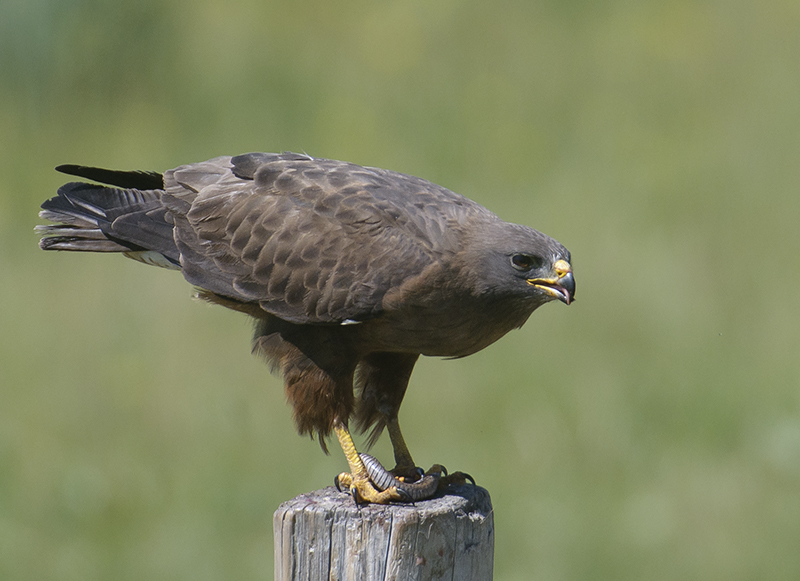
x: 561, y: 286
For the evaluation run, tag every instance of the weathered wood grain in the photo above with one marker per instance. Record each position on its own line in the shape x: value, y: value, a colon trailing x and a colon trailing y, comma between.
x: 322, y: 535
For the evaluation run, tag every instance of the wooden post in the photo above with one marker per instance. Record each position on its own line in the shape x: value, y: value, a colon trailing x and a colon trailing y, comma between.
x: 323, y: 535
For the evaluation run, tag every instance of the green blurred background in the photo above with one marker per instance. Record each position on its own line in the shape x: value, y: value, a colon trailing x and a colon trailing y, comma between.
x: 650, y: 431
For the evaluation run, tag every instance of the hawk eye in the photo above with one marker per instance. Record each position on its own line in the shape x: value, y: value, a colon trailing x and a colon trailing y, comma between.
x: 526, y: 261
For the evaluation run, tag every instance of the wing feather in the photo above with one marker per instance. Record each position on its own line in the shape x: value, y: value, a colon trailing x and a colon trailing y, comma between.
x: 310, y: 240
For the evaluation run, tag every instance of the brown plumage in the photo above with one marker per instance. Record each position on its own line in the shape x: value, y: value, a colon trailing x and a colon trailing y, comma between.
x: 351, y: 272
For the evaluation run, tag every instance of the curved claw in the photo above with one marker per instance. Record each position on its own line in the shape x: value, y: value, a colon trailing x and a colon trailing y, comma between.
x: 457, y: 479
x: 406, y: 474
x: 437, y: 469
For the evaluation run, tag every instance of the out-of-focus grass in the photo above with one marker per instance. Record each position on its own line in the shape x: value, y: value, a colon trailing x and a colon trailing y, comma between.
x: 650, y: 431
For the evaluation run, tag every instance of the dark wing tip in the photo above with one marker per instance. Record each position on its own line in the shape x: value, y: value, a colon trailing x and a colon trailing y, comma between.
x: 138, y: 180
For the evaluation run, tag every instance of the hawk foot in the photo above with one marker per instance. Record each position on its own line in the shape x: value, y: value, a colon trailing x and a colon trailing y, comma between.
x: 418, y: 486
x: 455, y: 479
x: 364, y: 492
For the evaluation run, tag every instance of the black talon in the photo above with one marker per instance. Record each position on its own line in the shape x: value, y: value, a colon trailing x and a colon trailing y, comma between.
x: 356, y: 497
x: 460, y: 478
x: 406, y: 497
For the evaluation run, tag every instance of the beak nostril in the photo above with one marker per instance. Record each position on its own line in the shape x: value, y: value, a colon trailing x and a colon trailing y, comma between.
x: 562, y: 268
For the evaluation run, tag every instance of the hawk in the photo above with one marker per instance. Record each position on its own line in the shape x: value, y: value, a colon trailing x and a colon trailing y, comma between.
x: 350, y: 272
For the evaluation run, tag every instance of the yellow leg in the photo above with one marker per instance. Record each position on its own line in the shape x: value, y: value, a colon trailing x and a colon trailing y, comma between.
x: 357, y: 480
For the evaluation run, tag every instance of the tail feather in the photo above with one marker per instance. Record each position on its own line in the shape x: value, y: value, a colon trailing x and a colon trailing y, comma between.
x: 96, y: 218
x: 86, y: 241
x: 65, y: 219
